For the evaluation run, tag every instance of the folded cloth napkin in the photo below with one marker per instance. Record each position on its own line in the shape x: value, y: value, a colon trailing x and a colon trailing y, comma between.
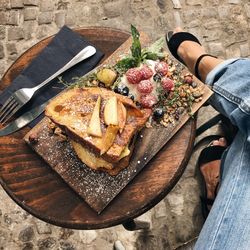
x: 62, y: 48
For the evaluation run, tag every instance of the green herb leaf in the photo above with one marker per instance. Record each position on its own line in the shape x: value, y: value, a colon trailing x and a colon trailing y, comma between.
x: 157, y: 46
x: 126, y: 63
x: 136, y: 57
x: 150, y: 55
x: 154, y: 51
x: 136, y: 45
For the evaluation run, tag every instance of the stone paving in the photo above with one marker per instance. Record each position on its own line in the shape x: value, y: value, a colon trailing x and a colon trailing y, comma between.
x: 222, y: 26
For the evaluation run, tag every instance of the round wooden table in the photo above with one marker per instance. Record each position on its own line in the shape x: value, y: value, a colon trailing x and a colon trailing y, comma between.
x: 40, y: 191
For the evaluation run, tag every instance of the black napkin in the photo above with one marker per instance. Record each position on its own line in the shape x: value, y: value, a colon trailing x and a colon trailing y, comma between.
x: 63, y: 47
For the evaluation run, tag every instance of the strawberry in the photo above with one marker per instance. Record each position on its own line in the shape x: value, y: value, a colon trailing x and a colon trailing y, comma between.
x: 148, y: 101
x: 167, y: 83
x: 188, y: 79
x: 145, y: 86
x: 146, y: 72
x: 161, y: 68
x: 134, y: 75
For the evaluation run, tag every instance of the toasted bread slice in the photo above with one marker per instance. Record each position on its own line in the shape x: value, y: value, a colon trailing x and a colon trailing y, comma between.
x: 97, y: 162
x: 72, y: 111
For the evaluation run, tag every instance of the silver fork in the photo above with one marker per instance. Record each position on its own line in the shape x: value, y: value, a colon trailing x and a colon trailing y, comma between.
x: 19, y: 98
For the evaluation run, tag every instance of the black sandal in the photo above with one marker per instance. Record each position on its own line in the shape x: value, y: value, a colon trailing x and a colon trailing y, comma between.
x: 208, y: 154
x: 174, y: 40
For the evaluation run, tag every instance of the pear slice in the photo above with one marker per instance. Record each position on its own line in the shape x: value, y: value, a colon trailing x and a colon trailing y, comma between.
x: 94, y: 127
x: 122, y: 116
x: 109, y: 138
x: 111, y: 112
x: 124, y: 153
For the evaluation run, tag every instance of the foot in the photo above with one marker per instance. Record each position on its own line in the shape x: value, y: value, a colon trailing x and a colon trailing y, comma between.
x: 190, y: 51
x: 211, y: 172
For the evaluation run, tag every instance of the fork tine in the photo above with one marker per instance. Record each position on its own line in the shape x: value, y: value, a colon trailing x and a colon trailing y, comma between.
x: 7, y: 110
x: 6, y: 105
x: 9, y: 113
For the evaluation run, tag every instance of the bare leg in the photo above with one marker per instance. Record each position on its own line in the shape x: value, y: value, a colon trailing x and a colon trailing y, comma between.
x: 189, y: 51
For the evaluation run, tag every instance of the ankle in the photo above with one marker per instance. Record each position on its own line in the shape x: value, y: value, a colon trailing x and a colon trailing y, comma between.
x: 189, y: 52
x: 186, y: 48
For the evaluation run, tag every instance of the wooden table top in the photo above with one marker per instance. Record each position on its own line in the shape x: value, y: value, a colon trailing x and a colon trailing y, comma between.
x: 32, y: 184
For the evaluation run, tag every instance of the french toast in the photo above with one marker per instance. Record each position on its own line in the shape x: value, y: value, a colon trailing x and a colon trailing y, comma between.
x: 98, y: 163
x: 72, y: 111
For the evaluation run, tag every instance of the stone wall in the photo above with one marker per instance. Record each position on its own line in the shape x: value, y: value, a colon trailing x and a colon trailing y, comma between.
x: 223, y: 27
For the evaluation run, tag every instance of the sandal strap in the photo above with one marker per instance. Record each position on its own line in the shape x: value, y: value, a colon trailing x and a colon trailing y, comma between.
x: 206, y: 139
x: 196, y: 67
x: 207, y: 201
x: 175, y: 41
x: 210, y: 123
x: 210, y: 153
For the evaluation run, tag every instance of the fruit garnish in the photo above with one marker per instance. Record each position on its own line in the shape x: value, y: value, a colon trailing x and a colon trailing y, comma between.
x: 94, y: 127
x: 106, y: 76
x: 146, y: 72
x: 134, y: 75
x: 109, y: 138
x: 122, y: 116
x: 145, y: 86
x: 157, y: 77
x: 161, y: 68
x: 148, y: 101
x: 131, y: 96
x: 167, y: 83
x: 122, y: 89
x: 111, y: 111
x: 158, y: 113
x: 188, y: 79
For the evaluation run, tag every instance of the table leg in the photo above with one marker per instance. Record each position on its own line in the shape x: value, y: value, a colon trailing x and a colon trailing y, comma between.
x: 132, y: 225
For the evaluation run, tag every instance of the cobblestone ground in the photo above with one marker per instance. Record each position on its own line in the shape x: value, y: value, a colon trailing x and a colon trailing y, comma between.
x: 222, y: 26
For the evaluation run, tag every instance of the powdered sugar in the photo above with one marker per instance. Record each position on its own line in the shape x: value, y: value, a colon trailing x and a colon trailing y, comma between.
x: 95, y: 187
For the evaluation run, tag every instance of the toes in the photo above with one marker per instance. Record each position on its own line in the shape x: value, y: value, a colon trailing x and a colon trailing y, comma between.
x: 216, y: 143
x: 221, y: 142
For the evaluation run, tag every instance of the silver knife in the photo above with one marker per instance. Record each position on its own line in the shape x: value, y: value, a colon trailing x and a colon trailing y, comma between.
x: 23, y: 120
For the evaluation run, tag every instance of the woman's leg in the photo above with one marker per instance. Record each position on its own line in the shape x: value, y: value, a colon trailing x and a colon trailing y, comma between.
x: 189, y: 52
x: 228, y: 223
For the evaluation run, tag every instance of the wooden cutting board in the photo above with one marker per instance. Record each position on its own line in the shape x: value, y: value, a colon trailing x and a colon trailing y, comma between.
x: 98, y: 189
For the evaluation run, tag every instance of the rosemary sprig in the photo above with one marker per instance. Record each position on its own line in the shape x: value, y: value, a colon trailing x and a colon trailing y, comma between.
x: 83, y: 81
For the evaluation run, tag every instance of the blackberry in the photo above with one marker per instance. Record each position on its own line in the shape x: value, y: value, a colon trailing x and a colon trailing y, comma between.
x: 158, y: 113
x: 132, y: 97
x: 157, y: 77
x: 122, y: 89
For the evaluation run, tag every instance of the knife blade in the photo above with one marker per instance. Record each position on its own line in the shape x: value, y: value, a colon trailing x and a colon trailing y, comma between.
x: 23, y: 120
